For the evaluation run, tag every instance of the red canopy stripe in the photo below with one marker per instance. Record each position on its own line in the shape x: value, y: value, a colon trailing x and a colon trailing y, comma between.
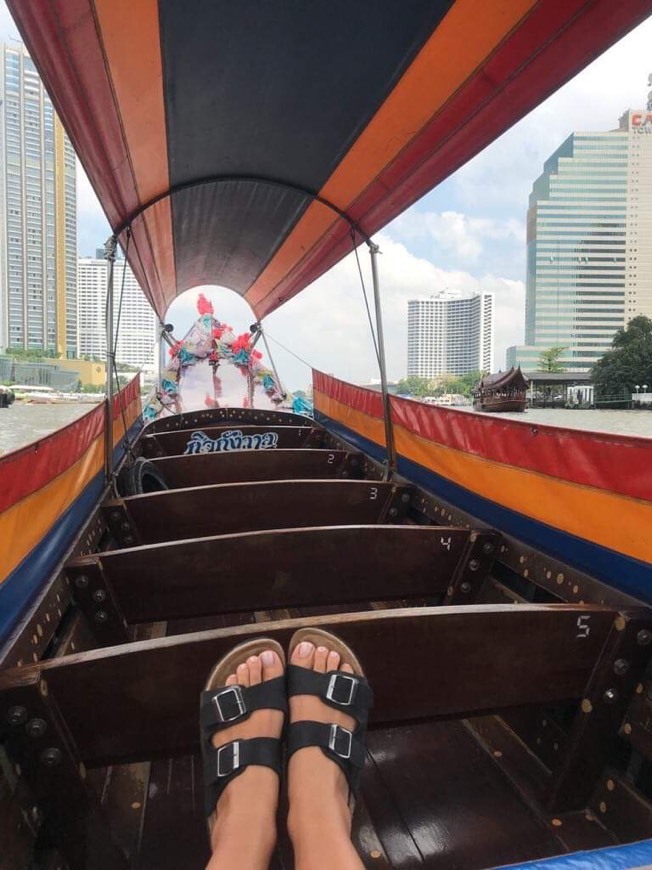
x: 551, y: 45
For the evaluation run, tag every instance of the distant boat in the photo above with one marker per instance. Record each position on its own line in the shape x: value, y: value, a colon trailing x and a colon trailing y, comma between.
x: 504, y: 391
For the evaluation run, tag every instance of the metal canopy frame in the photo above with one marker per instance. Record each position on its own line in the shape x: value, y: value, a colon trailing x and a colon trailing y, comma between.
x: 390, y: 466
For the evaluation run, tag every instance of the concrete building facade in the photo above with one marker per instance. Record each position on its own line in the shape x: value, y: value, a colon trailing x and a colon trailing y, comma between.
x: 589, y: 244
x: 38, y: 214
x: 450, y: 333
x: 137, y: 327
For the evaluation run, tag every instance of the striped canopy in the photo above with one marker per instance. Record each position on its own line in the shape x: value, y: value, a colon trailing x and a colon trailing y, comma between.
x: 240, y: 139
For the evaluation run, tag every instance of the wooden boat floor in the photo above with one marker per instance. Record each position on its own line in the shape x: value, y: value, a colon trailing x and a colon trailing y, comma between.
x: 431, y: 797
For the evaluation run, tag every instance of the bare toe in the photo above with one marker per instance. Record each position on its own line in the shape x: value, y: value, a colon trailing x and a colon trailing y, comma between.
x: 303, y: 654
x: 346, y: 667
x: 231, y: 680
x: 271, y: 664
x: 243, y: 674
x: 321, y: 656
x: 333, y: 661
x: 255, y: 670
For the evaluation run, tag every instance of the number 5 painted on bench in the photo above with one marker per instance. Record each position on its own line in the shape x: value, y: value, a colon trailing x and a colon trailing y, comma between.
x: 583, y: 628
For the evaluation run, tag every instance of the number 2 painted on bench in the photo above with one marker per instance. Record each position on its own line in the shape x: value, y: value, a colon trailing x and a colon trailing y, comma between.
x: 583, y: 628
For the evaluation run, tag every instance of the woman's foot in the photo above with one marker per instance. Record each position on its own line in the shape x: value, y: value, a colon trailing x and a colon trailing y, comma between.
x: 319, y: 818
x: 244, y: 832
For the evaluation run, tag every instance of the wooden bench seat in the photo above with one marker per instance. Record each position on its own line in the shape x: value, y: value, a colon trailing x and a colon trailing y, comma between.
x: 264, y: 570
x: 218, y: 416
x: 252, y: 465
x: 229, y: 438
x: 243, y: 507
x: 139, y: 701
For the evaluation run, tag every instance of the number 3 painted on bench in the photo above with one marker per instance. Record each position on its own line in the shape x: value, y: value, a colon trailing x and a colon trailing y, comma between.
x: 583, y: 629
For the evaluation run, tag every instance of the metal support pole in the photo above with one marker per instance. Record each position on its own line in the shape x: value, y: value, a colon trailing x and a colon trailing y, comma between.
x: 390, y: 468
x: 269, y: 354
x: 109, y: 252
x: 259, y: 333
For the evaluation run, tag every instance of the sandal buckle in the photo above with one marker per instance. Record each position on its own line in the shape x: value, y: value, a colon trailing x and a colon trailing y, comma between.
x: 226, y: 701
x: 340, y: 741
x: 333, y: 688
x: 231, y: 762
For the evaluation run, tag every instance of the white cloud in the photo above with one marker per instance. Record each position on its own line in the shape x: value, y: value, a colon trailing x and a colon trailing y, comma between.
x: 327, y: 324
x: 457, y: 236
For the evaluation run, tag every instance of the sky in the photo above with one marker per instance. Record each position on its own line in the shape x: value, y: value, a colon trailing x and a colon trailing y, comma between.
x: 467, y: 234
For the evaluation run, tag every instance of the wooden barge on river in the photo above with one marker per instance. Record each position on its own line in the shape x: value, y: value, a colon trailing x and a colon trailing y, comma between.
x: 493, y: 577
x: 503, y: 391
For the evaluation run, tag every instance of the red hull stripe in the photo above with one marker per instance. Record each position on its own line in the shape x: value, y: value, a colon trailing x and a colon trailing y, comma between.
x: 32, y: 467
x: 615, y: 463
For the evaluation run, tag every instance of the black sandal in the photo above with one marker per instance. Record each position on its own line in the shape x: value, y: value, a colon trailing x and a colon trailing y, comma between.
x: 223, y: 706
x: 350, y: 693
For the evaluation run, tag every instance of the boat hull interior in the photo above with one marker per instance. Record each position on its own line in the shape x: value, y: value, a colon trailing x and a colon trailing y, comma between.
x: 512, y: 704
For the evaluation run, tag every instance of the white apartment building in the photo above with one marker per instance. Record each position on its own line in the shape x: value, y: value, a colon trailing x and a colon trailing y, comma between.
x: 38, y: 214
x: 137, y: 328
x: 450, y: 333
x: 589, y: 238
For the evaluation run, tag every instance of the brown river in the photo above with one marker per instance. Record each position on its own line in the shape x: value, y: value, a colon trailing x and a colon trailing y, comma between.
x: 21, y: 424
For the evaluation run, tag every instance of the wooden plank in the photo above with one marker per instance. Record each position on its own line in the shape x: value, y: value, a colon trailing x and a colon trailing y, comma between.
x: 595, y: 728
x: 229, y: 508
x: 530, y: 778
x: 457, y: 806
x: 423, y: 662
x: 39, y: 744
x: 97, y: 601
x: 474, y: 566
x: 229, y: 438
x: 268, y: 569
x: 637, y: 725
x: 174, y: 831
x: 216, y: 416
x: 252, y: 465
x: 539, y: 569
x: 622, y: 809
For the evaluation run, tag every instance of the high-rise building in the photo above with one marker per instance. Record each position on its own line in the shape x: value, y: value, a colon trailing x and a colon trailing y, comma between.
x: 450, y: 334
x: 589, y: 243
x: 38, y: 214
x: 134, y: 320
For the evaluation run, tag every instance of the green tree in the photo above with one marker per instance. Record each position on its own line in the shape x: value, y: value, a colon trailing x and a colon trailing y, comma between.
x: 462, y: 385
x: 415, y: 386
x: 628, y: 363
x: 549, y: 360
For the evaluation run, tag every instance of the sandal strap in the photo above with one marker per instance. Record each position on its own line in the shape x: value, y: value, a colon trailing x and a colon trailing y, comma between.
x: 225, y: 763
x: 350, y: 693
x: 228, y: 705
x: 346, y: 748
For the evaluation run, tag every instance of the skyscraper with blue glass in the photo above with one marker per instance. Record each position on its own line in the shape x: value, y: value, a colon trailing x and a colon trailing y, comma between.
x: 589, y: 244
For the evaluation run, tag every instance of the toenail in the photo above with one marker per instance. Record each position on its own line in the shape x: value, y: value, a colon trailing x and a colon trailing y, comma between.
x: 304, y: 649
x: 267, y: 657
x: 252, y: 660
x: 322, y: 649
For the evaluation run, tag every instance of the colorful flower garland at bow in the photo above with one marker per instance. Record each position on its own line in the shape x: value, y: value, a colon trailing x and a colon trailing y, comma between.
x: 208, y: 339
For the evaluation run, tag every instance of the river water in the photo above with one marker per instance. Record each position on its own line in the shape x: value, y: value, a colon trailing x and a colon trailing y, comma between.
x: 21, y: 424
